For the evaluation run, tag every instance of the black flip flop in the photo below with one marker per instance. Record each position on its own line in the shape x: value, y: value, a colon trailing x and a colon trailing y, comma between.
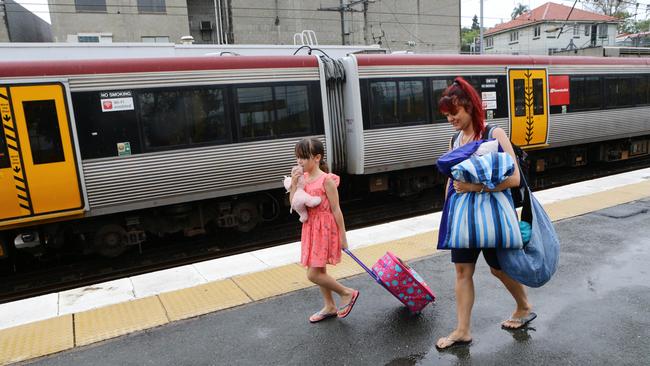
x: 524, y: 321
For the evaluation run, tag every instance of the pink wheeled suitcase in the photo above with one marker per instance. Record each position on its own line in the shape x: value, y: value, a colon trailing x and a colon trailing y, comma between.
x: 400, y: 280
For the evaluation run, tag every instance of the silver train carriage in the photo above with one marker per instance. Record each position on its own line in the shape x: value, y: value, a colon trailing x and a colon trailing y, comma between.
x: 139, y: 146
x: 565, y: 111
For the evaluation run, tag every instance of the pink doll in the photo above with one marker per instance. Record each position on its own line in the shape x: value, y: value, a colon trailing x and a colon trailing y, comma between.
x: 301, y: 199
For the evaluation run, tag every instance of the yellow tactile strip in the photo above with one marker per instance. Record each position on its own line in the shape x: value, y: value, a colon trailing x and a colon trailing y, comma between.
x: 115, y: 320
x: 597, y: 201
x: 202, y: 299
x: 64, y: 332
x: 36, y: 339
x: 273, y: 282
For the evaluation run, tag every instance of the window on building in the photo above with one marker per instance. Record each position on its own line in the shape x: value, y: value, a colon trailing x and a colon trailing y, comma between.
x: 90, y: 5
x: 587, y: 29
x: 94, y: 37
x: 514, y: 36
x: 88, y: 39
x: 551, y: 51
x: 537, y: 31
x: 155, y: 39
x: 489, y: 42
x: 602, y: 30
x: 576, y: 30
x: 151, y: 6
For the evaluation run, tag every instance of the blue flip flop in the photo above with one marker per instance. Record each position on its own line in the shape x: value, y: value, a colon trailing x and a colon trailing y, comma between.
x: 346, y: 309
x: 523, y: 321
x: 320, y: 316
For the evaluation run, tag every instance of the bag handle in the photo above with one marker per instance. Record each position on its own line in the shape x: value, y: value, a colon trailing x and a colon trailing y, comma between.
x: 370, y: 272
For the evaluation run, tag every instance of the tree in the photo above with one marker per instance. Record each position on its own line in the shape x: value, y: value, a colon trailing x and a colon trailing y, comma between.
x: 468, y: 35
x: 475, y: 24
x: 518, y: 10
x: 607, y: 7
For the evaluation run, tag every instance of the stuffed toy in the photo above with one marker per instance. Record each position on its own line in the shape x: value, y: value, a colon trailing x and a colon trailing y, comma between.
x: 301, y: 199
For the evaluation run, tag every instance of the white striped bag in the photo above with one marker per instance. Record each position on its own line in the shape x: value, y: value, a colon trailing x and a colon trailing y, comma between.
x: 483, y: 220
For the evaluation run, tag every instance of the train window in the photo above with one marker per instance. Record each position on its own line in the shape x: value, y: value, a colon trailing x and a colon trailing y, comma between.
x: 412, y: 102
x: 274, y: 111
x: 163, y: 118
x: 4, y: 154
x: 292, y: 103
x: 383, y: 103
x: 43, y: 130
x: 620, y: 92
x: 99, y: 132
x: 538, y: 96
x: 585, y: 92
x: 643, y: 89
x: 208, y: 116
x: 519, y: 93
x: 438, y: 86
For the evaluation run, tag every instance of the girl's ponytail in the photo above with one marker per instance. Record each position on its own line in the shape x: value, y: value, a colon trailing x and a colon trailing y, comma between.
x: 323, y: 165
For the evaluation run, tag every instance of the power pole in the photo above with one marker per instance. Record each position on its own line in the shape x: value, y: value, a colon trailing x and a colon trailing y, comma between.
x: 480, y: 42
x: 347, y: 8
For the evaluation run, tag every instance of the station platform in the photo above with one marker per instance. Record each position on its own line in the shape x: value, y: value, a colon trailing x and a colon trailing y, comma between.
x: 227, y: 311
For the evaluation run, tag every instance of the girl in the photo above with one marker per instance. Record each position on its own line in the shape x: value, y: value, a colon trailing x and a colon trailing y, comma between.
x: 323, y: 234
x: 462, y: 106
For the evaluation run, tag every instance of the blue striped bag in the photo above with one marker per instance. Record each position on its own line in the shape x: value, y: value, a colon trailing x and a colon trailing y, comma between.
x: 483, y: 220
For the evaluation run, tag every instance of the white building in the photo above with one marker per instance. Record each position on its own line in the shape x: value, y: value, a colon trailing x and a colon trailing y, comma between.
x: 549, y: 28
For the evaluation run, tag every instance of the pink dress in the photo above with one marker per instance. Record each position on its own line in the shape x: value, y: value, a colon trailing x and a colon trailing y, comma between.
x: 320, y: 241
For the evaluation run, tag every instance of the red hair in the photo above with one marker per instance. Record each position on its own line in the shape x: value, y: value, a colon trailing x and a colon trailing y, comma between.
x: 461, y: 93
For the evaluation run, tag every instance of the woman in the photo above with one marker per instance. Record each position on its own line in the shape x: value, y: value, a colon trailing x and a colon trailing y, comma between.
x: 462, y: 106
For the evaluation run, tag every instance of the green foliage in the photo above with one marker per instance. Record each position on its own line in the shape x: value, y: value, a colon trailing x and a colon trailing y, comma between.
x: 518, y: 10
x: 475, y: 23
x: 467, y: 36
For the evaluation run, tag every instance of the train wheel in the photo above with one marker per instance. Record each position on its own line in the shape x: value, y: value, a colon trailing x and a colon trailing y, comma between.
x: 110, y: 241
x: 247, y: 216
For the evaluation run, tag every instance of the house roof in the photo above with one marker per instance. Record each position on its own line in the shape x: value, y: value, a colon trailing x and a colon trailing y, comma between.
x: 550, y: 12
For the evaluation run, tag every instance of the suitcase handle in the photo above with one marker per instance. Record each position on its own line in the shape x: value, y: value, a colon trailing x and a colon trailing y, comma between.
x: 370, y: 272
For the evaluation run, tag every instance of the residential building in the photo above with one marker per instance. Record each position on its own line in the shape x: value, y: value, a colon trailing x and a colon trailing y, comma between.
x: 421, y: 26
x: 118, y: 20
x: 550, y: 28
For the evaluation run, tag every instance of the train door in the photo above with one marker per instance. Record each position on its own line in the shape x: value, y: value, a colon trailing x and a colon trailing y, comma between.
x: 528, y: 107
x: 39, y: 177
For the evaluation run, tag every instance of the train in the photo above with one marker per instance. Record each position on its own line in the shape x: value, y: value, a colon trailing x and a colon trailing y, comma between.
x: 108, y: 153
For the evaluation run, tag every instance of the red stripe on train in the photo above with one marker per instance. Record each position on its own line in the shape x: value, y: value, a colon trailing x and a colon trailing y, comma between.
x: 410, y: 59
x: 109, y: 66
